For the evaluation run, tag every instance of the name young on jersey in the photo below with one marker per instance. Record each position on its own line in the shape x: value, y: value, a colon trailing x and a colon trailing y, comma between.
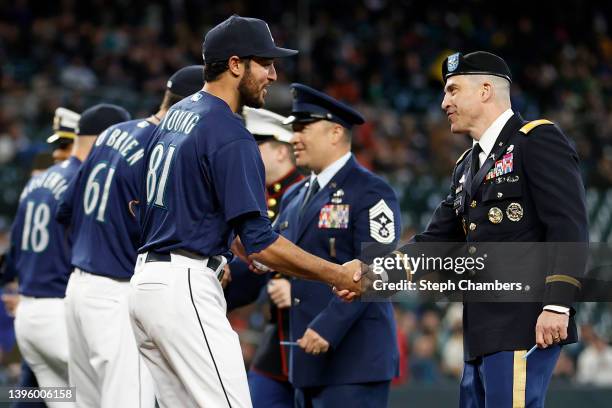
x: 125, y: 143
x: 180, y: 121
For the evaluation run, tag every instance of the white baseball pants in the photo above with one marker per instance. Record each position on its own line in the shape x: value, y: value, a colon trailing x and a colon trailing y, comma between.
x: 40, y: 329
x: 178, y: 313
x: 104, y: 364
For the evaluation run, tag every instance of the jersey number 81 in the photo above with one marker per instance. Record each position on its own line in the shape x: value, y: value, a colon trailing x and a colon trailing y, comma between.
x: 156, y: 188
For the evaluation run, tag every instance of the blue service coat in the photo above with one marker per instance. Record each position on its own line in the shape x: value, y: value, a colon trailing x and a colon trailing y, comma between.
x: 355, y: 207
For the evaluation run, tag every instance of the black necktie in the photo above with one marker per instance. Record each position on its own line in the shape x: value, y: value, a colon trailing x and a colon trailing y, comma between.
x: 312, y: 190
x: 476, y: 159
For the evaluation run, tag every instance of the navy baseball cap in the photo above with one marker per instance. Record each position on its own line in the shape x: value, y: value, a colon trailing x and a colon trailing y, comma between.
x: 96, y: 119
x: 186, y: 81
x: 310, y: 105
x: 475, y: 63
x: 243, y: 37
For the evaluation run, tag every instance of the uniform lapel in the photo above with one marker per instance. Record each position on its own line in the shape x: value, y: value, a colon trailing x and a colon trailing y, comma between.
x: 293, y: 212
x: 513, y: 124
x: 323, y: 196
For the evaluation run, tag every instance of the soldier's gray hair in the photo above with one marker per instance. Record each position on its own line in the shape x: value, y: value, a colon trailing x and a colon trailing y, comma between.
x: 501, y: 85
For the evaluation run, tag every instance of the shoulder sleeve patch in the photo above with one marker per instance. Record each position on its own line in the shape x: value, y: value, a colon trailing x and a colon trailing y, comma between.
x: 382, y: 224
x: 463, y: 156
x: 528, y: 127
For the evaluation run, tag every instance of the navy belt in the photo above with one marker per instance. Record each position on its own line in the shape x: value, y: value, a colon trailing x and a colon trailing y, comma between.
x: 212, y: 262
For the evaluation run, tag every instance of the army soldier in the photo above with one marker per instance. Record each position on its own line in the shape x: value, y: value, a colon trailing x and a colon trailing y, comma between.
x: 520, y: 182
x: 268, y: 375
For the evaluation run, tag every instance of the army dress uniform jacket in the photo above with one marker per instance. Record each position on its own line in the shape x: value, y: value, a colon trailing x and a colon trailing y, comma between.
x: 528, y: 190
x: 355, y: 207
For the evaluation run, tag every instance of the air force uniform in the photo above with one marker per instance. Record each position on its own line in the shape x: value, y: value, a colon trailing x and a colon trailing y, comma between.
x: 351, y: 207
x: 520, y: 183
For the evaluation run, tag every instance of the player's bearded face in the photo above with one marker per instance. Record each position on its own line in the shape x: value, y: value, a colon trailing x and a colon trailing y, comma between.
x: 252, y: 86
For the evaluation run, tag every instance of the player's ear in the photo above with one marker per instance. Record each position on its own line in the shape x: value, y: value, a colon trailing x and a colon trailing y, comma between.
x: 234, y: 66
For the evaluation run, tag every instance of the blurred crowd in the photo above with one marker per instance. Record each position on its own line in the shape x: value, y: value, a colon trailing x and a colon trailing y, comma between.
x: 381, y: 56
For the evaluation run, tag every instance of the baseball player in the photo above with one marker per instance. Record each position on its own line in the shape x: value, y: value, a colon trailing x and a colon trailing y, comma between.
x: 40, y: 255
x: 268, y: 375
x: 104, y: 363
x: 204, y: 184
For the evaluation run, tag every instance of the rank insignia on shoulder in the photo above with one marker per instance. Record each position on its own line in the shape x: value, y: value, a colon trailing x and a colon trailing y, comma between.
x: 382, y: 224
x: 528, y: 127
x: 334, y: 216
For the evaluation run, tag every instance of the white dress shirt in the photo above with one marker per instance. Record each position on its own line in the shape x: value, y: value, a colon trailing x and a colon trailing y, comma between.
x: 488, y: 138
x: 330, y: 171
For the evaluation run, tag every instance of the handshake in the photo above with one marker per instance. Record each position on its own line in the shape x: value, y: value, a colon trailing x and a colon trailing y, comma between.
x: 351, y: 280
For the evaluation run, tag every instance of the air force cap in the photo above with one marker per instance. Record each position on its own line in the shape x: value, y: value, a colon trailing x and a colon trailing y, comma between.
x: 265, y: 125
x: 243, y: 37
x: 64, y: 125
x: 97, y: 118
x: 186, y: 81
x: 310, y: 105
x: 475, y: 63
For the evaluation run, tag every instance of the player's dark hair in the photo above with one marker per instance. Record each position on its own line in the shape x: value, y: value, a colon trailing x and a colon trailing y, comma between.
x: 169, y: 100
x: 212, y: 70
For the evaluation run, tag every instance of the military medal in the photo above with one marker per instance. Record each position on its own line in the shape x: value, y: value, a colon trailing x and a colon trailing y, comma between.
x: 334, y: 216
x: 514, y: 212
x: 496, y: 215
x: 510, y: 148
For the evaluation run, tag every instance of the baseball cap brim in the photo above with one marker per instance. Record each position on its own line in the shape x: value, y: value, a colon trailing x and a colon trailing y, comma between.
x: 61, y: 135
x: 277, y: 52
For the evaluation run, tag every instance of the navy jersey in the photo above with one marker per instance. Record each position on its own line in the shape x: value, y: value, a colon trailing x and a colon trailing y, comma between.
x: 40, y: 248
x: 203, y: 170
x: 97, y: 203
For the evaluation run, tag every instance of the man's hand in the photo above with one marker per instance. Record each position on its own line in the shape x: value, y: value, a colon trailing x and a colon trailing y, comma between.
x: 10, y: 298
x: 227, y: 276
x: 312, y: 343
x: 239, y: 251
x: 551, y: 328
x: 259, y: 268
x: 354, y: 289
x: 280, y: 292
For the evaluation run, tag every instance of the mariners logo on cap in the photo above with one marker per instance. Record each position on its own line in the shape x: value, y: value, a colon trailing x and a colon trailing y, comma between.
x: 453, y: 62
